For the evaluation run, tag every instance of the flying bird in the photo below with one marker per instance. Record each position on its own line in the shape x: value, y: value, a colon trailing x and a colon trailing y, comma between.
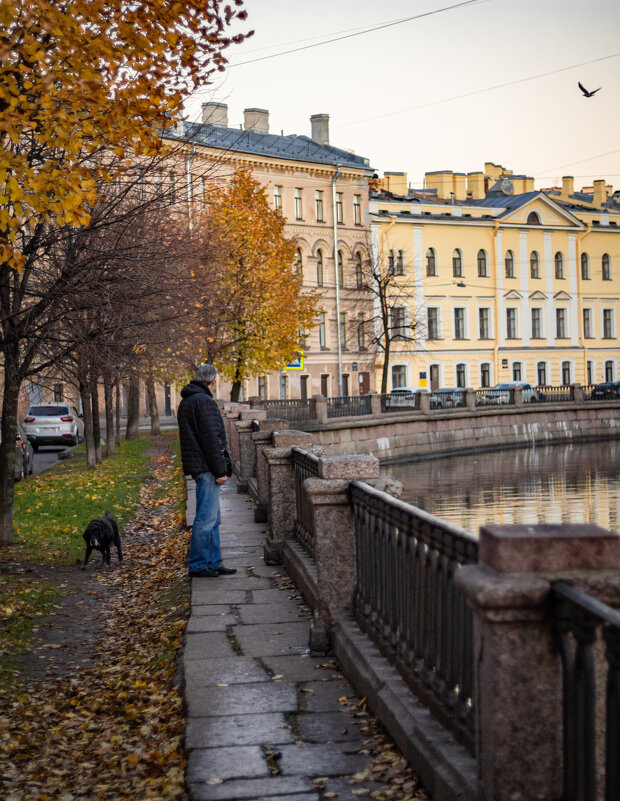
x: 585, y: 91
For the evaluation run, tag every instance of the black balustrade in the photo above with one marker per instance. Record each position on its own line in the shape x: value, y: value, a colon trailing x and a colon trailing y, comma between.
x: 408, y: 604
x: 348, y: 406
x: 297, y: 410
x: 578, y: 620
x: 306, y: 465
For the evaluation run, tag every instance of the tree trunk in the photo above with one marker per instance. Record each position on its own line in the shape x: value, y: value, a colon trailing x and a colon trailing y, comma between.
x: 85, y: 395
x: 133, y: 407
x: 7, y: 447
x: 109, y: 418
x: 94, y: 396
x: 117, y: 429
x: 153, y: 410
x: 386, y: 368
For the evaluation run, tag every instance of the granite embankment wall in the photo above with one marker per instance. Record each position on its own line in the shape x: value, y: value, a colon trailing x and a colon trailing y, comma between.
x: 411, y: 436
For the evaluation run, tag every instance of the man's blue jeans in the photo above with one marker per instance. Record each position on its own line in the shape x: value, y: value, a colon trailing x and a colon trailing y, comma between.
x: 204, y: 547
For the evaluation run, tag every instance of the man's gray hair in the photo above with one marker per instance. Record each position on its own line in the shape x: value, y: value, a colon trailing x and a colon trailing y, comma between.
x: 205, y: 374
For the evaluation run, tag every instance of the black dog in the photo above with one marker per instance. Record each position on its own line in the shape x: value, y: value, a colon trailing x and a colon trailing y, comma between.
x: 101, y: 533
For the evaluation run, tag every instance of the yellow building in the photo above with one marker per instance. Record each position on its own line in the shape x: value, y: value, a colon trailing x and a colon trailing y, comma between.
x: 496, y: 281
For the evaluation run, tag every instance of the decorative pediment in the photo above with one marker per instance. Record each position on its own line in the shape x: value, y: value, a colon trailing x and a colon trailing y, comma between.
x: 513, y: 295
x: 538, y: 295
x: 562, y: 296
x: 541, y: 211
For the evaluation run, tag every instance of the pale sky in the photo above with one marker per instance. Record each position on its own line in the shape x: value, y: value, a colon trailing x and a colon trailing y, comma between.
x: 390, y: 93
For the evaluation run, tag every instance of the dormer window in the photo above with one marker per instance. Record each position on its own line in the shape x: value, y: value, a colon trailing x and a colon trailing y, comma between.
x: 533, y: 218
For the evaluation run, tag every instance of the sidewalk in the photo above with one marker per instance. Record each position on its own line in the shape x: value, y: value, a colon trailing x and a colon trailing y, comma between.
x: 265, y: 719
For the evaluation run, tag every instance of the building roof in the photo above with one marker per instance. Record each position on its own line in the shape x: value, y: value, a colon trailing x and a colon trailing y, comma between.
x: 293, y: 147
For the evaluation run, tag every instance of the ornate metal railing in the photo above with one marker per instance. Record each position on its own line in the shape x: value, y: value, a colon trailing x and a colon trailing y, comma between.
x: 396, y: 402
x: 554, y: 394
x: 348, y: 406
x: 408, y: 604
x: 306, y: 466
x: 447, y: 399
x: 493, y: 397
x: 294, y: 410
x: 578, y: 619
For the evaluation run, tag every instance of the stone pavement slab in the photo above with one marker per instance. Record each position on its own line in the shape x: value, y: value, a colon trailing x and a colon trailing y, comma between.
x: 209, y: 623
x: 242, y: 699
x: 280, y: 787
x: 236, y: 762
x: 273, y: 639
x: 238, y: 730
x: 319, y: 760
x: 224, y: 670
x: 211, y: 643
x: 323, y: 696
x: 327, y: 727
x: 297, y: 668
x: 270, y: 613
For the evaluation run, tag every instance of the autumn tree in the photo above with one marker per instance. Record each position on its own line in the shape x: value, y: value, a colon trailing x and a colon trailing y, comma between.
x: 80, y: 79
x: 254, y: 309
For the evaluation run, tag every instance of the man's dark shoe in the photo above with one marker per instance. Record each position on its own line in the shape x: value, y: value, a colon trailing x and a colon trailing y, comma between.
x: 204, y: 573
x: 226, y: 571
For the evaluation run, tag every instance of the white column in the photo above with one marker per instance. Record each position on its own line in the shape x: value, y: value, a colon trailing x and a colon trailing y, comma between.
x: 500, y: 334
x: 418, y: 283
x: 524, y: 279
x: 547, y: 266
x: 375, y: 246
x: 572, y: 288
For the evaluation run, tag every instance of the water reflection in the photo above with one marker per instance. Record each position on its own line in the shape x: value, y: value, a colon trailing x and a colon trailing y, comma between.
x: 575, y: 483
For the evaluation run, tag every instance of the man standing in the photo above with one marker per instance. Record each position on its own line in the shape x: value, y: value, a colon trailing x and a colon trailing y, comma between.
x: 203, y: 440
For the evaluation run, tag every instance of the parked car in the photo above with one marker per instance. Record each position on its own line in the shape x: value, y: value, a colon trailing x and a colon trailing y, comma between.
x: 447, y: 398
x: 53, y: 424
x: 403, y: 398
x: 502, y: 392
x: 606, y: 390
x: 24, y: 454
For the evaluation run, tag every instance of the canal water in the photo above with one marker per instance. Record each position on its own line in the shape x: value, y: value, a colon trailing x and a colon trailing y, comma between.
x: 573, y: 483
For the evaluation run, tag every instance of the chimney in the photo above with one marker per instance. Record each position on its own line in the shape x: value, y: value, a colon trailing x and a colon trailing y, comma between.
x: 459, y: 183
x: 599, y: 195
x: 475, y: 185
x: 568, y: 186
x: 320, y: 128
x: 215, y: 113
x: 528, y: 184
x: 256, y: 119
x: 396, y: 182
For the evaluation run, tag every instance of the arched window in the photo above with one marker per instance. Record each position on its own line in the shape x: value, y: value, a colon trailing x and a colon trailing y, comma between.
x: 606, y: 266
x: 585, y: 267
x: 533, y: 218
x: 340, y: 269
x: 319, y: 268
x: 457, y: 263
x: 391, y: 262
x: 359, y: 273
x: 558, y: 260
x: 517, y: 371
x: 482, y: 264
x: 431, y: 262
x: 534, y: 265
x: 400, y: 263
x: 299, y: 264
x: 509, y: 264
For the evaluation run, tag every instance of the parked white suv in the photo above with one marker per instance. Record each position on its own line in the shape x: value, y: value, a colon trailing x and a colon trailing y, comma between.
x: 501, y: 393
x: 53, y: 424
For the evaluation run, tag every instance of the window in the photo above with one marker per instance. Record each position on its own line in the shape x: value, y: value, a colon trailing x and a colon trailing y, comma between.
x: 172, y: 188
x: 589, y: 372
x: 400, y: 263
x: 511, y: 324
x: 391, y: 262
x: 609, y: 371
x: 298, y: 205
x: 277, y: 197
x: 432, y: 323
x: 398, y: 324
x: 457, y: 264
x: 533, y: 218
x: 588, y: 328
x: 484, y: 324
x: 357, y: 209
x: 343, y: 329
x: 460, y: 375
x: 399, y: 376
x: 434, y: 374
x: 262, y: 387
x: 431, y: 262
x: 339, y: 217
x: 585, y: 267
x: 359, y: 274
x: 283, y: 386
x: 483, y: 269
x: 322, y: 331
x: 325, y: 385
x: 485, y: 374
x: 560, y: 323
x: 558, y: 260
x: 537, y: 323
x: 345, y: 384
x: 509, y: 264
x: 58, y: 393
x: 608, y: 323
x: 459, y: 323
x: 318, y: 205
x: 340, y: 269
x: 541, y: 373
x: 517, y: 371
x: 319, y: 268
x: 299, y: 264
x: 303, y: 386
x: 361, y: 337
x: 606, y: 267
x: 534, y: 265
x: 566, y: 379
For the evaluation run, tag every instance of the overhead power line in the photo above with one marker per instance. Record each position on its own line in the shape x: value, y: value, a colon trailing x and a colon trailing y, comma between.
x: 358, y: 33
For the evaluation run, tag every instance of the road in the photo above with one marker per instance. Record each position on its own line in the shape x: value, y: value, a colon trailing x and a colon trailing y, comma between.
x: 46, y: 456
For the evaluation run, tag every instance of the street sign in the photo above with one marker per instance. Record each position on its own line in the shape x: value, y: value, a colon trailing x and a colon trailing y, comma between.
x: 296, y: 363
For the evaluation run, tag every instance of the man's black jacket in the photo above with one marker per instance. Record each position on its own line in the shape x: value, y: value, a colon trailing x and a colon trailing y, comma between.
x: 201, y: 432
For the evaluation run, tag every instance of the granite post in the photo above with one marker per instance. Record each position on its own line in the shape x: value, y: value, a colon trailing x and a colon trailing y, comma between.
x: 320, y: 408
x: 258, y: 485
x: 518, y: 672
x: 246, y: 464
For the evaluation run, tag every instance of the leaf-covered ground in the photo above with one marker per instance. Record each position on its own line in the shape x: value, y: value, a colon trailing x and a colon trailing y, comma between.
x: 107, y: 722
